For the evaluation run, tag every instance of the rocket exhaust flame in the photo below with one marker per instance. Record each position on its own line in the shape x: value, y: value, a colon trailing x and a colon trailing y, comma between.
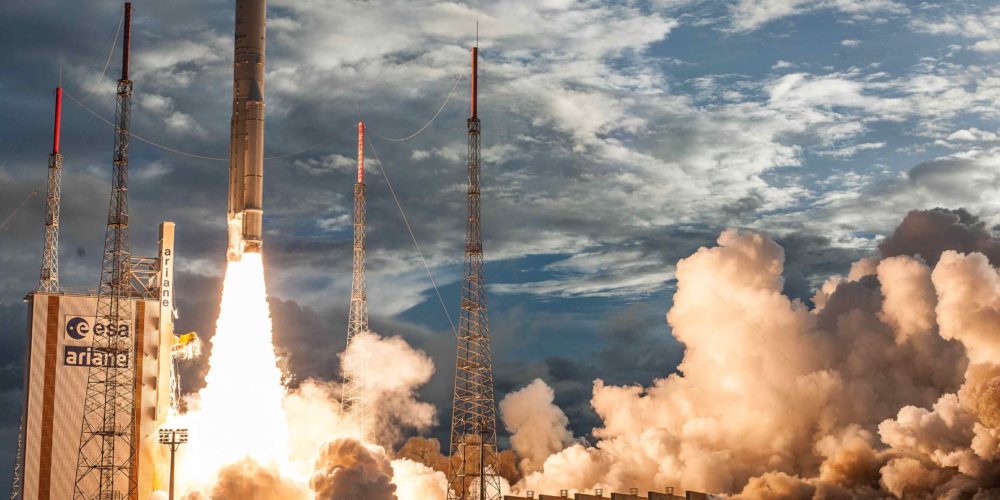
x: 239, y: 412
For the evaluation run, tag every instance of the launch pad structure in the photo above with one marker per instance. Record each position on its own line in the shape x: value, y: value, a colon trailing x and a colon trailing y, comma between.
x: 98, y: 371
x: 60, y: 353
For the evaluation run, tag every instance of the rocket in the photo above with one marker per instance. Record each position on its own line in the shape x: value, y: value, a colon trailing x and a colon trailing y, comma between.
x: 246, y: 150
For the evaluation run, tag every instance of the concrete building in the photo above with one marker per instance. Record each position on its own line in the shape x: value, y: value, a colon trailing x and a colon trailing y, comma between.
x: 61, y: 328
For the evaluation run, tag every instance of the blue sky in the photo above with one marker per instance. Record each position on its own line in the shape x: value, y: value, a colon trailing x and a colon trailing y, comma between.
x: 618, y: 138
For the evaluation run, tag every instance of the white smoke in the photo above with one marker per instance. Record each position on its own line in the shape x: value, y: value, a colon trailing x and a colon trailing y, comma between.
x: 416, y: 481
x: 253, y: 438
x: 890, y: 385
x: 538, y: 427
x: 391, y: 372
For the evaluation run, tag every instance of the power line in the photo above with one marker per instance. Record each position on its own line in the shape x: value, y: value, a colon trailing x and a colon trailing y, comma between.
x: 203, y: 157
x: 143, y: 139
x: 310, y: 148
x: 381, y: 168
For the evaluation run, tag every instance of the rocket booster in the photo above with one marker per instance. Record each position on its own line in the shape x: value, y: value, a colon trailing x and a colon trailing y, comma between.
x: 246, y: 153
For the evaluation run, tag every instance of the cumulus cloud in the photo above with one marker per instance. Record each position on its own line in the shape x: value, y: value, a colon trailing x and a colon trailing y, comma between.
x: 748, y: 15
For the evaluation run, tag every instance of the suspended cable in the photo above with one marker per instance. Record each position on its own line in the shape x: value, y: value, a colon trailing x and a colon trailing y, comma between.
x: 18, y: 209
x: 203, y: 157
x: 381, y: 168
x: 428, y: 124
x: 114, y: 41
x: 310, y: 148
x: 143, y: 139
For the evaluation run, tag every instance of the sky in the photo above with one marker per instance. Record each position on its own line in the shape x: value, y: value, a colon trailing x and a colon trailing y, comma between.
x: 618, y: 137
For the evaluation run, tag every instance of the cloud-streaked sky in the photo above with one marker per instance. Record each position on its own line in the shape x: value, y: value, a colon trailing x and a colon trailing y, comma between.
x: 618, y: 137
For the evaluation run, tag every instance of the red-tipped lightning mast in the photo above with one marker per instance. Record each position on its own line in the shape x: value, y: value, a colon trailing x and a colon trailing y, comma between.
x: 475, y: 81
x: 473, y: 470
x: 361, y: 152
x: 58, y: 121
x: 352, y: 406
x: 48, y: 280
x: 127, y: 40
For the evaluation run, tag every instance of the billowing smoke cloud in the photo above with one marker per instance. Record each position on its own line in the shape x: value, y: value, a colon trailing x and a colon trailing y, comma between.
x: 247, y: 480
x: 416, y: 481
x: 323, y: 456
x: 890, y: 385
x: 928, y: 233
x: 347, y: 469
x: 538, y: 427
x: 392, y: 373
x: 427, y: 451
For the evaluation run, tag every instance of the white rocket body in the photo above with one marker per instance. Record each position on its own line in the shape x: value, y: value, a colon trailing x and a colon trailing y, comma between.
x: 246, y: 160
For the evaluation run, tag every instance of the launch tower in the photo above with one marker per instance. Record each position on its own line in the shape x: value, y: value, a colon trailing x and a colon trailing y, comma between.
x: 473, y: 468
x: 107, y: 453
x: 352, y: 401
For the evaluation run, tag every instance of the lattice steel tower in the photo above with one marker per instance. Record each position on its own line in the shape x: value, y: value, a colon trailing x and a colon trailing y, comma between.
x: 48, y: 280
x: 473, y: 470
x: 49, y: 277
x: 107, y: 462
x: 352, y: 400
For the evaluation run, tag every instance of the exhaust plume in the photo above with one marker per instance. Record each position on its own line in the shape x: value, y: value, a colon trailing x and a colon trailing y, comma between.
x: 391, y: 372
x: 348, y: 469
x: 538, y: 426
x: 242, y: 397
x: 890, y: 385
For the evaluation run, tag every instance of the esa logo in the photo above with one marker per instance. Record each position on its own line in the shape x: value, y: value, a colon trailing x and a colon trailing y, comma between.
x: 80, y: 329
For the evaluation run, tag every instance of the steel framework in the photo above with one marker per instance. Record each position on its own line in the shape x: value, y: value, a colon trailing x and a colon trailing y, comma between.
x: 473, y: 468
x: 352, y: 400
x: 48, y: 280
x: 106, y: 463
x: 17, y: 481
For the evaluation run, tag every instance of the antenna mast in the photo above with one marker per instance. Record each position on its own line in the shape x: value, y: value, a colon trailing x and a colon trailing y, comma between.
x: 49, y: 278
x: 107, y: 462
x: 473, y: 469
x: 352, y: 400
